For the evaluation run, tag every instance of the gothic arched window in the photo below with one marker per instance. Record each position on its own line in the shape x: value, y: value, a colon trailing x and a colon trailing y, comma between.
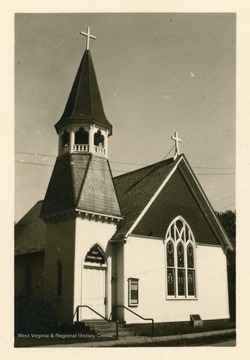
x: 81, y: 136
x: 180, y: 260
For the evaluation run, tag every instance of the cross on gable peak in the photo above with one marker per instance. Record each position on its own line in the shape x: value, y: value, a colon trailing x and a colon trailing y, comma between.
x: 177, y: 140
x: 88, y: 37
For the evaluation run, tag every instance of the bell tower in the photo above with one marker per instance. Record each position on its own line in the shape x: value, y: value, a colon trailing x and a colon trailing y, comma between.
x: 80, y: 209
x: 83, y: 126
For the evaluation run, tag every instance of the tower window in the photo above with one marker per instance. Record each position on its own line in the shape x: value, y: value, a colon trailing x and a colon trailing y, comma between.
x: 98, y: 139
x: 65, y: 138
x: 81, y: 136
x: 180, y: 260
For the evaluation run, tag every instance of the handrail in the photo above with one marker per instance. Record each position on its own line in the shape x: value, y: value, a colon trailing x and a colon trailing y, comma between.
x: 124, y: 307
x: 86, y: 306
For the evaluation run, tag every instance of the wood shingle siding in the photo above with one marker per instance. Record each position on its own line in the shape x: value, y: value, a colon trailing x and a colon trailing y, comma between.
x: 175, y: 199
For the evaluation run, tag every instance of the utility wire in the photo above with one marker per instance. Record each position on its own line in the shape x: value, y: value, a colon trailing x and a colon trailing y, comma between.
x: 215, y: 174
x: 121, y: 171
x: 29, y: 153
x: 218, y: 203
x: 128, y: 163
x: 226, y: 198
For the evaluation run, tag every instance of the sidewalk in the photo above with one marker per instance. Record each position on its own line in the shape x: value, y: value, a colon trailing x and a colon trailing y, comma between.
x: 141, y: 341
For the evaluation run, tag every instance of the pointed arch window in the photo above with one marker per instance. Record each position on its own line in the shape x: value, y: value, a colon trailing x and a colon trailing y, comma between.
x: 180, y: 260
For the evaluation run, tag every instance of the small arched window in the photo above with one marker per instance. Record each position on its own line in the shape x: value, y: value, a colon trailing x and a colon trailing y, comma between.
x: 65, y: 138
x: 81, y: 137
x: 180, y: 260
x: 98, y: 138
x: 59, y: 279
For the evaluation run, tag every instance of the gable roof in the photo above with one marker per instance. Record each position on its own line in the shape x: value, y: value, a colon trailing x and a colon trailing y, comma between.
x: 30, y: 232
x: 135, y: 190
x: 84, y: 104
x: 139, y: 189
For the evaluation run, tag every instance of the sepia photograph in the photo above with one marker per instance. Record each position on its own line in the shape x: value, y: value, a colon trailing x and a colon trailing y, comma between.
x: 125, y: 167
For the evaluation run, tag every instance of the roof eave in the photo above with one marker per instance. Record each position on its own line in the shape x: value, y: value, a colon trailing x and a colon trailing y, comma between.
x: 213, y: 220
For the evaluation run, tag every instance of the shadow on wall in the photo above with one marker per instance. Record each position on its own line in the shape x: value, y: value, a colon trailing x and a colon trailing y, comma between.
x: 33, y: 315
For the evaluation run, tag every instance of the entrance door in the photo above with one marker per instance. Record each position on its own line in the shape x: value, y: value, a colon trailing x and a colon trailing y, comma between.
x: 94, y: 283
x: 93, y: 292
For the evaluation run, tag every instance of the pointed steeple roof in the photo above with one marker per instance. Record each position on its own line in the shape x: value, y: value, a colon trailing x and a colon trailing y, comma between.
x: 84, y: 105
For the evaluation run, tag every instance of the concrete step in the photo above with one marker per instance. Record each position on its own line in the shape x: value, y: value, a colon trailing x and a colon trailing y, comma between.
x: 105, y: 327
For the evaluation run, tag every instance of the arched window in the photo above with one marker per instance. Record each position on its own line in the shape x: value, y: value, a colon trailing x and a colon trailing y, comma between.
x: 180, y: 260
x: 98, y: 139
x: 59, y: 279
x: 81, y: 137
x: 65, y: 138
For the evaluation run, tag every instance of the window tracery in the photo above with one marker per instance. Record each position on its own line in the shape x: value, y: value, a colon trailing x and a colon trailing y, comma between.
x: 180, y: 260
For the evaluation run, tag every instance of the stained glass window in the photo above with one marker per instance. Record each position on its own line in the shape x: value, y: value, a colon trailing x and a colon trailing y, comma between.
x: 181, y: 282
x: 186, y: 233
x: 179, y: 225
x: 191, y: 282
x: 172, y: 232
x: 171, y: 281
x: 190, y: 256
x: 180, y: 252
x: 170, y: 254
x: 180, y: 255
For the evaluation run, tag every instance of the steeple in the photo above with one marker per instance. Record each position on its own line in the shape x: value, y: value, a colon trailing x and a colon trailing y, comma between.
x: 84, y: 105
x: 81, y: 181
x: 83, y: 126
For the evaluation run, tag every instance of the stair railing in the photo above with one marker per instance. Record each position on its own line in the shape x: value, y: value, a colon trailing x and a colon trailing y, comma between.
x: 141, y: 317
x: 76, y: 313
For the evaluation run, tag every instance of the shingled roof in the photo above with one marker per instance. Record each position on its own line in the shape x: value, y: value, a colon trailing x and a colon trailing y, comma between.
x: 81, y: 182
x: 84, y: 104
x: 30, y: 232
x: 136, y: 188
x: 134, y: 191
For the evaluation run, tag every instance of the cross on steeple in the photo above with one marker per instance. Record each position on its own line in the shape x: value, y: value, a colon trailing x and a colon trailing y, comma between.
x: 176, y: 140
x: 88, y: 36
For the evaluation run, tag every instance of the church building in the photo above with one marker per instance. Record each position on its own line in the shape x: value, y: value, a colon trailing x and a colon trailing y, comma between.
x: 147, y: 241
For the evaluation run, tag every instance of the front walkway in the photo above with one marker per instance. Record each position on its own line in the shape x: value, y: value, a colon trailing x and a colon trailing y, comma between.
x: 195, y: 339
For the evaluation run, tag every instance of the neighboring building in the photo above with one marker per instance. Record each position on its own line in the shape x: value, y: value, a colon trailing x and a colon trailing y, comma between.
x: 148, y: 240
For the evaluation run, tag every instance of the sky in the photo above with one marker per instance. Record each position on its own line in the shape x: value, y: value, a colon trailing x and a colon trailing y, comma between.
x: 157, y: 73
